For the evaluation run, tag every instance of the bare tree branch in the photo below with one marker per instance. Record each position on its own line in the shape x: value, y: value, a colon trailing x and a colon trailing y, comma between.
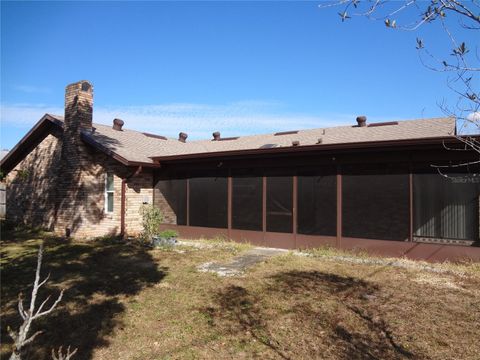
x: 20, y: 338
x: 462, y: 63
x: 59, y: 355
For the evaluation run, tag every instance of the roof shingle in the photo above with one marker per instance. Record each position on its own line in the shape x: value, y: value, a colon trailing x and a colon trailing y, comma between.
x: 135, y: 146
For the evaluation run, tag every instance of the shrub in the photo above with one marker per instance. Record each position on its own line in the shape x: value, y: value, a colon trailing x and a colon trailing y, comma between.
x: 168, y: 234
x: 151, y: 220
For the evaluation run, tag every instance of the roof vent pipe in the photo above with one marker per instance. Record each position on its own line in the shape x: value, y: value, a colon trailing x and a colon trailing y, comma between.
x: 182, y: 137
x: 117, y: 124
x: 216, y: 136
x: 362, y: 121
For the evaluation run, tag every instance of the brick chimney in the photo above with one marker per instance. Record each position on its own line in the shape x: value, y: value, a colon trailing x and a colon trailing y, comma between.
x: 72, y: 198
x: 78, y: 107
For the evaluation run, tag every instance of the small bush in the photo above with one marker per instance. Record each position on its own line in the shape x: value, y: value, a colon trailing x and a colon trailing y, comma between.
x: 152, y: 218
x: 168, y: 234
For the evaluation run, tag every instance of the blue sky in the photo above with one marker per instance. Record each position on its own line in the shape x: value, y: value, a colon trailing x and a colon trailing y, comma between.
x: 237, y: 67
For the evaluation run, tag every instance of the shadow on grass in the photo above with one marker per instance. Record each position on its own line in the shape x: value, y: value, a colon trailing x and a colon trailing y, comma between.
x: 240, y: 312
x: 97, y: 275
x: 338, y: 307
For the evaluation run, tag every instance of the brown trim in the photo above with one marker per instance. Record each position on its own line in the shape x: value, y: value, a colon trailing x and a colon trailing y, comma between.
x: 248, y: 236
x: 34, y: 137
x: 229, y: 205
x: 339, y: 205
x: 411, y: 250
x: 279, y: 240
x: 410, y: 203
x: 317, y: 147
x: 122, y: 208
x: 264, y: 205
x: 294, y: 210
x: 188, y: 201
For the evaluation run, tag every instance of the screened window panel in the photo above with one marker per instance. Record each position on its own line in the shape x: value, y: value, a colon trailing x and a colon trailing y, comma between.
x: 317, y: 205
x: 375, y: 202
x: 208, y: 202
x: 446, y: 207
x: 280, y: 204
x: 247, y: 203
x: 170, y: 196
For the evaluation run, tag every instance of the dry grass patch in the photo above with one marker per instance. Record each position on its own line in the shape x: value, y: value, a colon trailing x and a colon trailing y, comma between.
x: 128, y: 302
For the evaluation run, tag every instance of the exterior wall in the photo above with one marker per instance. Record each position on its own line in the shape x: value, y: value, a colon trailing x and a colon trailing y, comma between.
x: 139, y: 190
x: 31, y: 185
x: 35, y: 199
x: 90, y: 219
x: 160, y: 201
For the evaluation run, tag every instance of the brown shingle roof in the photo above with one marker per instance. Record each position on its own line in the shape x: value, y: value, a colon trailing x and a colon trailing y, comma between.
x: 135, y: 146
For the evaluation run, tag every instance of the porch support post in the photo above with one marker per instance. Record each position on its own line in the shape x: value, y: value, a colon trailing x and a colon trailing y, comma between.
x: 410, y: 201
x: 229, y: 206
x: 264, y: 206
x: 339, y: 206
x: 187, y: 184
x: 295, y: 214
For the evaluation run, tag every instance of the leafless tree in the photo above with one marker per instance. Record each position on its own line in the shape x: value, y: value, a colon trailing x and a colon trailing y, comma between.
x: 21, y: 337
x: 59, y: 355
x: 462, y: 63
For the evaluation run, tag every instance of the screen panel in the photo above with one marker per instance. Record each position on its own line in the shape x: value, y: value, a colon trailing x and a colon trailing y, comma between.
x: 209, y: 202
x: 446, y: 207
x: 247, y: 203
x: 317, y: 204
x: 280, y: 204
x: 375, y: 201
x: 170, y: 196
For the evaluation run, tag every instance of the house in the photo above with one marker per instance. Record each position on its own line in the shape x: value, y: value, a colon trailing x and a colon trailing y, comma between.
x: 393, y: 188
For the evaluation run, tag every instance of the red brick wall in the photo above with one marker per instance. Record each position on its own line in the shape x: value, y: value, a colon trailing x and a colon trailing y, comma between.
x: 33, y: 197
x: 31, y: 185
x: 60, y: 185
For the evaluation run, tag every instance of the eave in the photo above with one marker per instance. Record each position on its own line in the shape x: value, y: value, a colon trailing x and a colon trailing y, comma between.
x: 341, y: 147
x: 34, y: 137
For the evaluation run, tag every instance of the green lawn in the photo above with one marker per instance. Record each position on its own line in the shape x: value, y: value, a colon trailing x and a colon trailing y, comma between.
x: 124, y: 301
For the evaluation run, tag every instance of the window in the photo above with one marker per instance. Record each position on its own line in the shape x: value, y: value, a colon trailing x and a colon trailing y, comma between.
x: 208, y: 202
x: 247, y: 203
x: 279, y: 204
x: 109, y: 191
x: 317, y: 203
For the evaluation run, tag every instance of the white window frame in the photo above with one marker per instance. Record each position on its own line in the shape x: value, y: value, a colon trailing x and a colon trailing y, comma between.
x: 109, y: 191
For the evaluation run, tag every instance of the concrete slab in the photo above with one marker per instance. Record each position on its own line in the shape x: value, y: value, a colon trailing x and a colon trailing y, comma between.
x: 240, y: 263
